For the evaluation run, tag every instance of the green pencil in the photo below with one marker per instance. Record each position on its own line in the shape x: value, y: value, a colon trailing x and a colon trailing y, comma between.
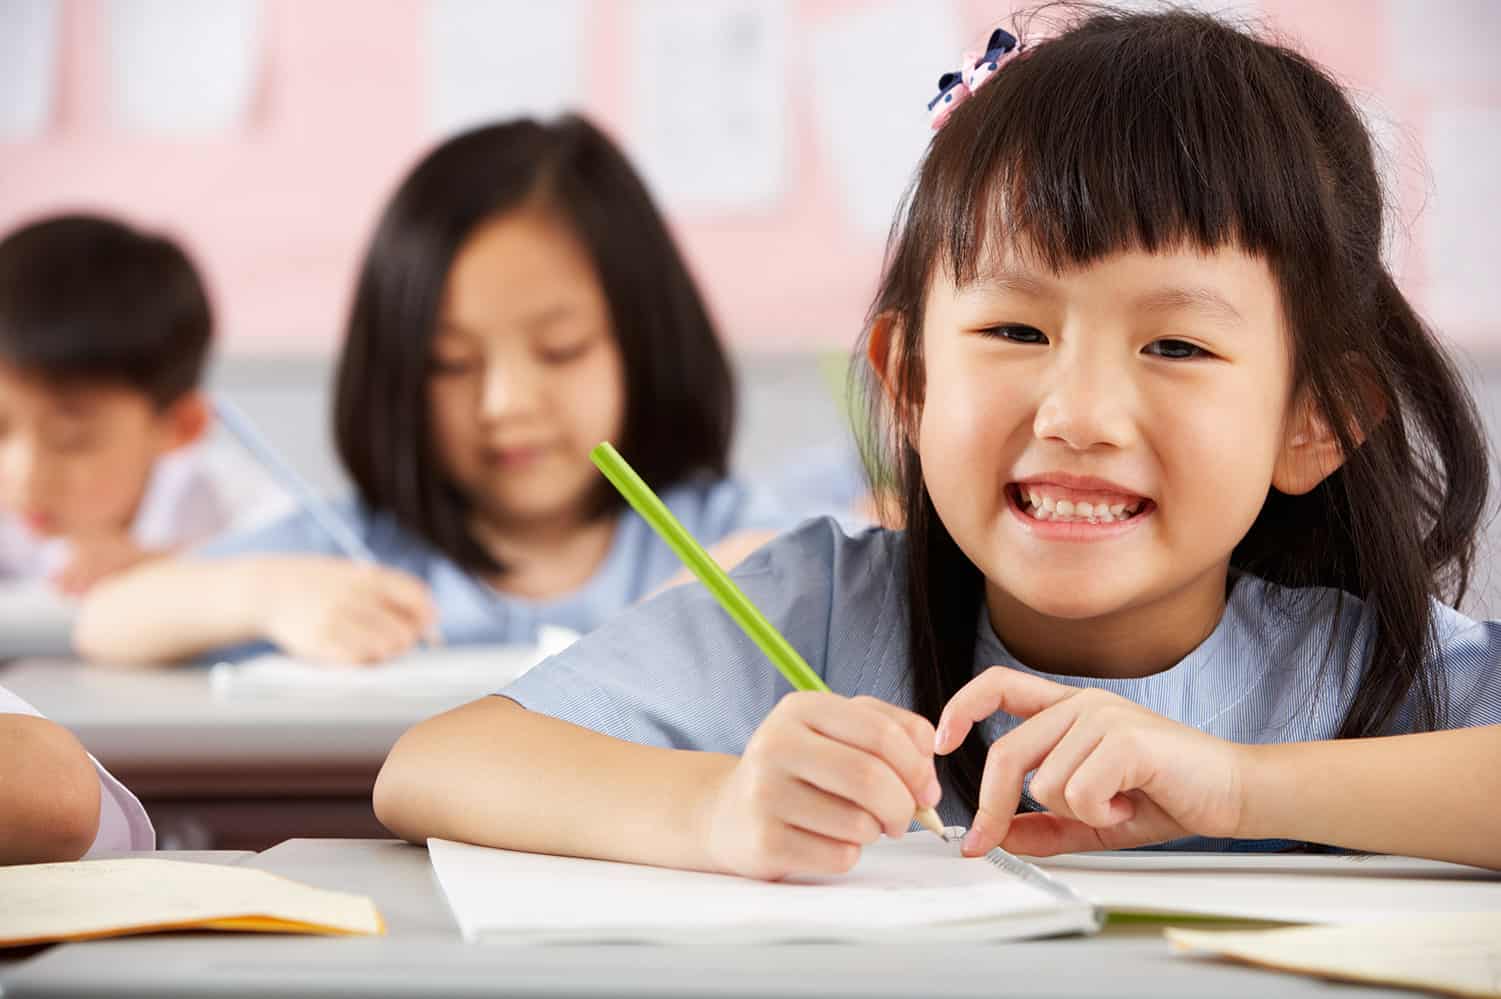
x: 733, y: 599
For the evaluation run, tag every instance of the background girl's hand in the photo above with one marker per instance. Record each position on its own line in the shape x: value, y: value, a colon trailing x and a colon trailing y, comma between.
x: 332, y: 610
x: 1111, y: 773
x: 822, y: 777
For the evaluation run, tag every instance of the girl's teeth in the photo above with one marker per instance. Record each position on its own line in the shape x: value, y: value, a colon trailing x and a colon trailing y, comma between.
x: 1044, y: 507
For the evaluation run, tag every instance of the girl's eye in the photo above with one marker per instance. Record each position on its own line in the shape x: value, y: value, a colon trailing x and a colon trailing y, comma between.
x: 1176, y: 350
x: 564, y: 353
x: 1016, y: 334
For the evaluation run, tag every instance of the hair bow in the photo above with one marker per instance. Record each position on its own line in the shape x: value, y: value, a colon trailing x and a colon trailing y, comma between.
x: 974, y: 69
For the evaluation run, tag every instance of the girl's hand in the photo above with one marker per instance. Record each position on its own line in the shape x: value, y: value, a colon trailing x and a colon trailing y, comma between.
x: 332, y: 610
x: 1111, y: 773
x: 822, y: 777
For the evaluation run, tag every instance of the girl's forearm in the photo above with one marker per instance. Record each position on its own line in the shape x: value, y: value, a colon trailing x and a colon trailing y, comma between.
x: 170, y: 610
x: 1436, y: 794
x: 495, y: 774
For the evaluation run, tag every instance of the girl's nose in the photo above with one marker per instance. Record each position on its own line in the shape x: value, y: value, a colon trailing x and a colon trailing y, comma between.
x: 510, y: 387
x: 1085, y: 404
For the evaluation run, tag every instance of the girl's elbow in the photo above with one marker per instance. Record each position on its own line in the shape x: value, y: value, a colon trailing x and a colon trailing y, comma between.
x: 398, y: 788
x: 53, y: 815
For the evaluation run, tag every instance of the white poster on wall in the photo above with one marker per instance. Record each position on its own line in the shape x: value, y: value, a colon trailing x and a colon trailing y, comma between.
x: 708, y: 85
x: 874, y: 71
x: 28, y: 66
x: 183, y: 67
x: 1464, y: 148
x: 494, y: 59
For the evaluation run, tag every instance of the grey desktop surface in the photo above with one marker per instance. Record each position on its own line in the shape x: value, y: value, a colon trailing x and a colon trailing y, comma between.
x: 140, y: 719
x: 424, y: 956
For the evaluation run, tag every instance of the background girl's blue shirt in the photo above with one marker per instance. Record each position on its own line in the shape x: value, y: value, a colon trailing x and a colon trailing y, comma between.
x: 678, y: 673
x: 472, y: 612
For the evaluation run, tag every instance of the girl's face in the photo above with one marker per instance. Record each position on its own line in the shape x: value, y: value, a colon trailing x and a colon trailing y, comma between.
x: 526, y: 373
x: 1098, y: 441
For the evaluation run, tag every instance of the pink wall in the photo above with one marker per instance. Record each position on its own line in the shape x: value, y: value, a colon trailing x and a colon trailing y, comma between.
x: 277, y: 212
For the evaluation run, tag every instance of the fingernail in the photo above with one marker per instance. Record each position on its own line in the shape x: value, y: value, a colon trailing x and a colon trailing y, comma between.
x: 941, y: 738
x: 971, y: 842
x: 932, y: 793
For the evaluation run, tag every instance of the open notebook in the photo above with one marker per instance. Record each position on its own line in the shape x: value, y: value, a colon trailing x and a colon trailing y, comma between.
x: 454, y: 672
x: 87, y: 899
x: 919, y: 887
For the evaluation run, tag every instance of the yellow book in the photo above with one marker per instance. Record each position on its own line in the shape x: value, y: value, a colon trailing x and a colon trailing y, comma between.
x: 1457, y: 955
x: 44, y: 903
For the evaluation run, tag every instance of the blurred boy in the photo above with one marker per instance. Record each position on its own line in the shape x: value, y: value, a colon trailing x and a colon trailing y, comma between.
x: 104, y: 332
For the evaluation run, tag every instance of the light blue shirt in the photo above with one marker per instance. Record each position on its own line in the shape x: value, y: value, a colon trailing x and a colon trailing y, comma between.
x: 677, y: 672
x: 470, y: 610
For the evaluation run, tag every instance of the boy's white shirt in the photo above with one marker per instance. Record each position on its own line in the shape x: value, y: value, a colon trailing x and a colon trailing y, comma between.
x: 193, y: 494
x: 123, y: 822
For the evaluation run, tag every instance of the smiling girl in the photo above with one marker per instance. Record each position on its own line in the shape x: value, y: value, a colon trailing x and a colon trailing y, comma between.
x: 1183, y: 479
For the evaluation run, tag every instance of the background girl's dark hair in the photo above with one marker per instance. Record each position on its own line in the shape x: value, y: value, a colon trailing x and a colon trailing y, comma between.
x: 679, y: 393
x: 84, y: 298
x: 1173, y: 129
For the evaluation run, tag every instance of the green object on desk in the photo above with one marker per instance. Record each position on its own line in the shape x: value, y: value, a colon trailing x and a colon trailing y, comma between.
x: 761, y: 631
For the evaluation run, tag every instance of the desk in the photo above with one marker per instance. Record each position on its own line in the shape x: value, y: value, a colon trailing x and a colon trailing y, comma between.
x: 240, y: 773
x: 424, y: 956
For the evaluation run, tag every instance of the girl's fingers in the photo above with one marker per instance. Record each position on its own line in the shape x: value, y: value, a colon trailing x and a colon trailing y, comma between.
x: 1052, y: 784
x: 823, y: 814
x: 1039, y: 834
x: 1042, y: 834
x: 1094, y: 791
x: 790, y: 850
x: 996, y: 689
x: 858, y: 777
x: 885, y: 739
x: 1010, y: 759
x: 918, y: 728
x: 407, y: 593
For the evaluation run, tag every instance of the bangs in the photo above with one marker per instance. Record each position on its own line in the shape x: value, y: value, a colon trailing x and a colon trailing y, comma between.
x: 1145, y: 132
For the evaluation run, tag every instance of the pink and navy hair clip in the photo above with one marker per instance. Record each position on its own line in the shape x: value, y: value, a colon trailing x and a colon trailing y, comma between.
x: 954, y: 88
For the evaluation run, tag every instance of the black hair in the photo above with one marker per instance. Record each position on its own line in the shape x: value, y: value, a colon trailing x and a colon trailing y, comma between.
x: 1175, y: 129
x: 89, y: 299
x: 679, y: 392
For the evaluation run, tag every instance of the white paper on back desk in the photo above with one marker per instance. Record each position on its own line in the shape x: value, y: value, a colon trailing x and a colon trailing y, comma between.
x: 448, y: 671
x: 908, y: 889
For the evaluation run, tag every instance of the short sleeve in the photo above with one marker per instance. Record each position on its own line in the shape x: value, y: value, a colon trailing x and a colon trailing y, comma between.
x: 677, y: 672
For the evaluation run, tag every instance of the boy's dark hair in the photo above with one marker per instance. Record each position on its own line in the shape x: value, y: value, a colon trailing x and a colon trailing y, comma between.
x: 89, y: 299
x: 679, y: 394
x: 1147, y: 131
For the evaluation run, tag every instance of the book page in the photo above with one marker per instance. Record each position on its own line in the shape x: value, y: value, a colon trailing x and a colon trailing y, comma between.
x: 1459, y: 955
x: 915, y: 881
x: 1278, y: 896
x: 99, y: 898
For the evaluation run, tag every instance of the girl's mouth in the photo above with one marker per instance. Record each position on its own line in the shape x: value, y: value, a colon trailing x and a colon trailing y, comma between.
x: 1072, y: 514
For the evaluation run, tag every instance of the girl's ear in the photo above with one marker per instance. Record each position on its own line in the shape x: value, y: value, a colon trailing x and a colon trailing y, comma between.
x: 1311, y: 451
x: 880, y: 350
x: 884, y: 351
